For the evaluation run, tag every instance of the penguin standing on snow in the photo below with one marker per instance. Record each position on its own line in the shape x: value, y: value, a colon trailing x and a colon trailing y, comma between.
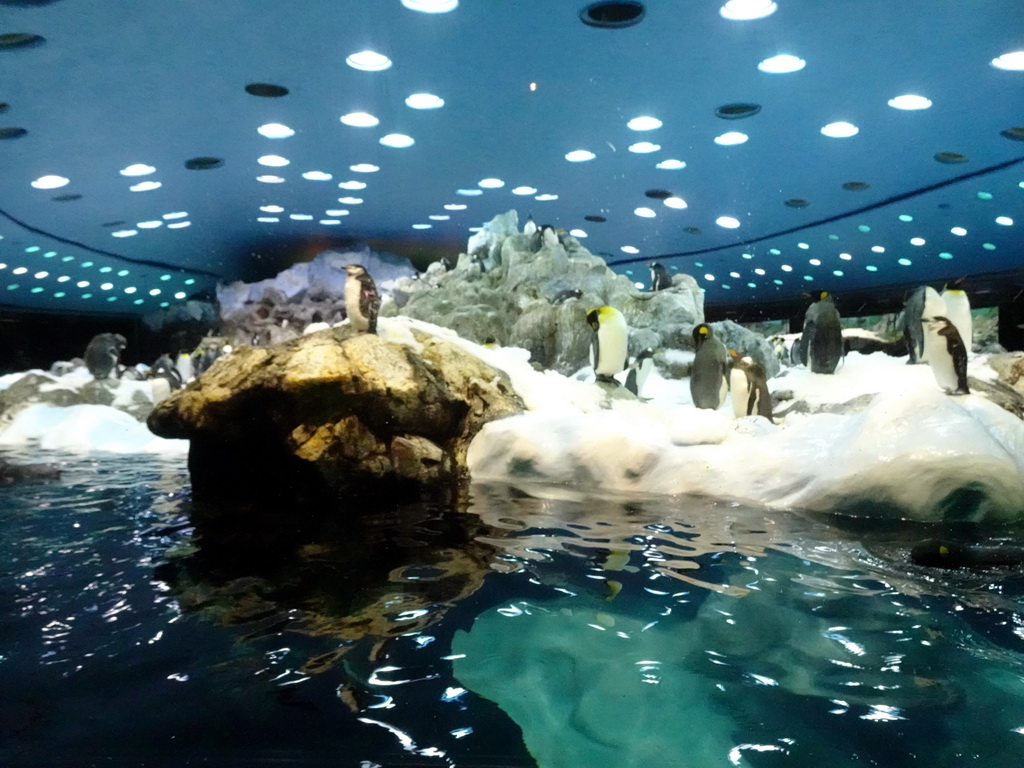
x: 608, y: 348
x: 709, y: 376
x: 362, y: 302
x: 748, y: 383
x: 947, y: 355
x: 923, y: 303
x: 103, y: 354
x: 639, y: 370
x: 822, y: 337
x: 660, y: 278
x: 958, y: 310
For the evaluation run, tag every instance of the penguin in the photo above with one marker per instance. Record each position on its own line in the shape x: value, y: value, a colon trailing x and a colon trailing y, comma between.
x: 103, y: 354
x: 608, y: 349
x: 923, y: 303
x: 529, y: 226
x: 958, y: 310
x: 639, y: 370
x: 548, y: 236
x: 822, y: 337
x: 748, y: 384
x: 709, y: 376
x: 946, y: 354
x: 186, y: 369
x: 563, y: 296
x: 164, y: 368
x: 207, y: 358
x: 445, y: 263
x: 660, y: 278
x: 361, y: 299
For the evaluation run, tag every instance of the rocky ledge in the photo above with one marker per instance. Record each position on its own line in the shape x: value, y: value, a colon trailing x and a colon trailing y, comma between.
x: 326, y: 420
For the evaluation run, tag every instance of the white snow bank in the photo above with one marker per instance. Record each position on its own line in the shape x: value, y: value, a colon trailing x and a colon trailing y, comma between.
x: 85, y: 428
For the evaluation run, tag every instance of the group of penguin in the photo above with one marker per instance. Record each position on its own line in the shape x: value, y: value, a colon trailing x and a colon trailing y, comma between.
x: 102, y: 359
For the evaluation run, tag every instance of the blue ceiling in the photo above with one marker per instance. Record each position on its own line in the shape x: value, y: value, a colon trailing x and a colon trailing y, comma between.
x: 91, y: 88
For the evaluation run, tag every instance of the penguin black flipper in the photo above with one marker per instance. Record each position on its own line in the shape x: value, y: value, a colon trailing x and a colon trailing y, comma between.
x: 958, y: 351
x: 631, y: 383
x: 913, y: 333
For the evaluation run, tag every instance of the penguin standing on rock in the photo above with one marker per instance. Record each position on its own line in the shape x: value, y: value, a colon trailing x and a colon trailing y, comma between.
x: 958, y: 310
x: 660, y: 278
x: 639, y: 370
x: 748, y: 383
x: 709, y: 376
x: 362, y: 302
x: 822, y: 337
x: 103, y: 354
x: 608, y: 348
x: 529, y: 226
x: 946, y: 354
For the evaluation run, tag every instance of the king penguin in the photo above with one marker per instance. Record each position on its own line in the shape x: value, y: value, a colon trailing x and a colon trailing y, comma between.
x: 923, y: 303
x: 946, y: 354
x: 958, y: 310
x: 709, y: 376
x: 361, y: 299
x: 608, y: 349
x: 639, y: 370
x: 822, y: 337
x: 748, y: 384
x: 660, y: 278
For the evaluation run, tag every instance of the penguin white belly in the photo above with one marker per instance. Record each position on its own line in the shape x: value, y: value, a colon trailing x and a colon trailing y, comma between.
x: 940, y: 360
x: 185, y: 369
x: 934, y: 306
x: 958, y: 310
x: 738, y: 386
x: 612, y: 340
x: 352, y: 291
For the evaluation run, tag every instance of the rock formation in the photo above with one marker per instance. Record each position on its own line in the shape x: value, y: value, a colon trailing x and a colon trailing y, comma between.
x: 133, y: 397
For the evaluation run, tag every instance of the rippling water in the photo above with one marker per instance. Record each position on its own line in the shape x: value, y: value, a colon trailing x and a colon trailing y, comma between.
x: 527, y: 631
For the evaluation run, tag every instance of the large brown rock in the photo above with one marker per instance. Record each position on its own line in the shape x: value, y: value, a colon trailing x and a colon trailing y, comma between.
x: 335, y: 416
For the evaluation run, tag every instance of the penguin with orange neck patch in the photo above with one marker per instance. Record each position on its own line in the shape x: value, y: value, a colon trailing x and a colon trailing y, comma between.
x: 748, y: 384
x: 709, y: 375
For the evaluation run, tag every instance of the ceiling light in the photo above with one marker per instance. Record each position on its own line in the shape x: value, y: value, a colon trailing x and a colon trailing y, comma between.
x: 138, y: 169
x: 337, y: 212
x: 455, y: 207
x: 1012, y: 61
x: 840, y: 130
x: 524, y: 191
x: 317, y: 176
x: 846, y: 256
x: 905, y: 217
x: 734, y: 274
x: 40, y: 275
x: 179, y: 295
x: 675, y: 202
x: 397, y: 140
x: 273, y: 131
x: 746, y: 10
x: 424, y: 101
x: 1006, y: 221
x: 431, y: 6
x: 145, y: 186
x: 176, y: 215
x: 871, y: 268
x: 364, y: 168
x: 958, y: 231
x: 709, y: 277
x: 814, y: 262
x: 179, y: 225
x: 300, y: 217
x: 130, y: 289
x: 350, y: 200
x: 786, y: 268
x: 580, y: 156
x: 758, y: 271
x: 272, y: 209
x: 671, y: 165
x: 577, y: 233
x: 154, y: 292
x: 945, y: 255
x: 149, y: 224
x: 359, y: 120
x: 268, y: 219
x: 546, y: 197
x: 352, y: 185
x: 491, y: 183
x: 730, y: 138
x: 917, y: 241
x: 782, y: 64
x: 368, y: 61
x: 274, y: 161
x: 644, y: 123
x: 63, y: 279
x: 643, y: 147
x: 629, y: 249
x: 124, y: 233
x: 837, y: 272
x: 904, y: 262
x: 270, y: 179
x: 439, y: 217
x: 106, y: 286
x: 910, y: 101
x: 82, y: 283
x: 645, y: 213
x: 469, y: 192
x: 421, y: 226
x: 330, y: 222
x: 727, y: 221
x: 877, y: 249
x: 49, y: 182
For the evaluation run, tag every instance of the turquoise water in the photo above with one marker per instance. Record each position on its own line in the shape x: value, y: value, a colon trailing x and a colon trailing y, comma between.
x: 558, y: 632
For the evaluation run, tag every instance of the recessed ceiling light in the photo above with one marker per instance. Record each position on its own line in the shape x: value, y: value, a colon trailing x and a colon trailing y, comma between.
x: 840, y: 130
x: 270, y: 179
x: 758, y: 271
x: 203, y: 163
x: 50, y: 182
x: 350, y: 200
x: 734, y: 274
x: 138, y: 169
x: 786, y: 268
x: 267, y: 90
x: 422, y: 226
x: 782, y: 64
x: 644, y: 123
x: 179, y: 225
x: 910, y: 101
x: 612, y: 15
x: 40, y: 275
x: 149, y: 224
x: 675, y: 202
x: 145, y: 186
x: 106, y: 286
x: 577, y: 233
x: 950, y: 158
x: 671, y: 165
x: 63, y: 279
x: 546, y: 197
x: 300, y: 217
x: 317, y: 176
x: 814, y: 262
x: 871, y: 268
x: 82, y: 284
x: 945, y: 255
x: 629, y: 249
x: 643, y: 147
x: 855, y: 186
x: 439, y: 217
x: 904, y: 262
x: 180, y: 295
x: 274, y: 131
x: 124, y: 233
x: 876, y: 249
x: 846, y: 256
x: 1006, y: 221
x: 746, y: 10
x: 524, y: 191
x: 580, y: 156
x: 364, y: 168
x: 175, y: 215
x: 958, y: 231
x: 271, y: 209
x: 491, y: 183
x: 397, y: 140
x: 737, y: 111
x: 268, y: 219
x: 455, y: 207
x: 330, y: 222
x: 352, y: 185
x: 368, y: 61
x: 274, y: 161
x: 130, y: 289
x: 645, y: 213
x: 469, y: 192
x: 359, y: 120
x: 1012, y: 61
x: 727, y: 221
x: 917, y: 241
x: 805, y: 246
x: 431, y: 6
x: 797, y: 202
x: 336, y: 212
x: 424, y: 101
x: 730, y: 138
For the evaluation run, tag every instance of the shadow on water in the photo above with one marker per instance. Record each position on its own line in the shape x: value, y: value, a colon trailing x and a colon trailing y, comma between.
x: 536, y: 627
